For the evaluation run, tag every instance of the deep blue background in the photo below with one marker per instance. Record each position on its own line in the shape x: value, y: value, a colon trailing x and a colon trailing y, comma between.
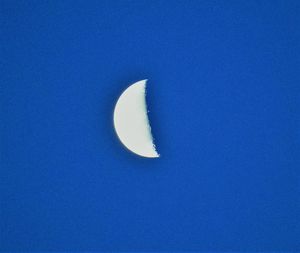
x: 223, y: 96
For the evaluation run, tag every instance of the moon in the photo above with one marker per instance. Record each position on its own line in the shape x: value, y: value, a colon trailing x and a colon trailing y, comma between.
x: 131, y: 121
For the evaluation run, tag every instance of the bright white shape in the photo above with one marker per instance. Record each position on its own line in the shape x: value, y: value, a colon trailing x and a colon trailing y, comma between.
x: 131, y: 121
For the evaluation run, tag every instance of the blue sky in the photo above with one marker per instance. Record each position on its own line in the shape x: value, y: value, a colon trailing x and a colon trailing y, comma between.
x: 223, y: 95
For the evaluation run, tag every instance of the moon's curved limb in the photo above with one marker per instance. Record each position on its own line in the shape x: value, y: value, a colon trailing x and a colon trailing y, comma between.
x: 131, y: 121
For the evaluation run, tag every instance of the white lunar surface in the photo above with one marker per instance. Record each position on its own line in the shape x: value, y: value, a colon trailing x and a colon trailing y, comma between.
x: 131, y: 121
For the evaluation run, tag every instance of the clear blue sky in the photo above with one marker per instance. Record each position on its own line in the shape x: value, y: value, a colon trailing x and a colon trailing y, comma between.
x: 223, y: 95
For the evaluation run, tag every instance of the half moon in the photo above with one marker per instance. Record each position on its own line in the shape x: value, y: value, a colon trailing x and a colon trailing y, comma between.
x: 131, y: 121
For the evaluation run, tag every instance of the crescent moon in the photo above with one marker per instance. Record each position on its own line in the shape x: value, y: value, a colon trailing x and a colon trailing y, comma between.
x: 131, y: 121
